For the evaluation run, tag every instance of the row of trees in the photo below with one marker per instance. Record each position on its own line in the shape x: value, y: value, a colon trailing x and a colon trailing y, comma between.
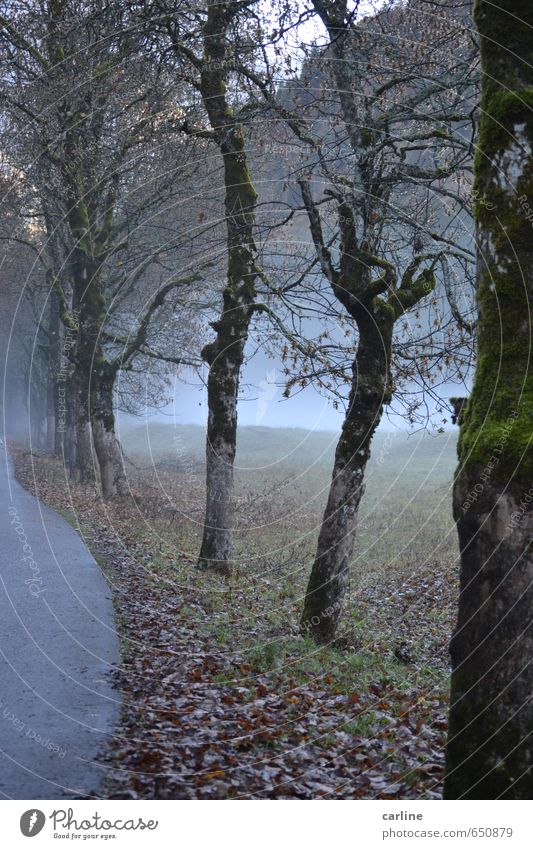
x: 89, y: 126
x: 119, y: 117
x: 136, y: 139
x: 113, y: 160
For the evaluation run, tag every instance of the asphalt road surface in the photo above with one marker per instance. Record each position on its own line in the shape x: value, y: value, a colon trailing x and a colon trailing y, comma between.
x: 58, y: 649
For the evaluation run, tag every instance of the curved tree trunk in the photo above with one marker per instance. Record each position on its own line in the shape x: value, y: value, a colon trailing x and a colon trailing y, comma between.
x: 490, y: 743
x: 225, y: 354
x: 370, y: 390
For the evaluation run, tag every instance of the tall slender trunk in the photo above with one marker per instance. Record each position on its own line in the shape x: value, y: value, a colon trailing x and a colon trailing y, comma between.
x: 490, y: 744
x: 370, y: 390
x: 37, y: 400
x: 222, y: 392
x: 225, y: 354
x: 60, y: 426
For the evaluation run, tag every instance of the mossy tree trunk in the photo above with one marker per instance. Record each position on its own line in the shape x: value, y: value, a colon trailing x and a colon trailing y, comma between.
x: 490, y: 751
x: 67, y: 414
x: 225, y: 355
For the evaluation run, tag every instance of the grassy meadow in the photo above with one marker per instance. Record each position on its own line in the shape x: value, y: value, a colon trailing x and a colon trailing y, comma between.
x: 282, y: 480
x: 403, y: 579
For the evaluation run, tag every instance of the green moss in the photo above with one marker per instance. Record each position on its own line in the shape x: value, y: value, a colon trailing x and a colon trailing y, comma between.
x: 104, y: 68
x: 499, y: 422
x: 502, y: 395
x: 80, y: 226
x: 503, y: 385
x: 366, y: 136
x: 239, y: 187
x: 385, y: 307
x: 412, y: 291
x: 501, y: 111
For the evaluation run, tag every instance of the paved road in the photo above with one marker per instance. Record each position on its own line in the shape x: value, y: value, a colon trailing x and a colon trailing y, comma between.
x: 58, y: 648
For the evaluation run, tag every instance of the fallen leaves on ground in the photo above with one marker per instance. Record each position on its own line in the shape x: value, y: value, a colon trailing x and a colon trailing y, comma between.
x: 204, y: 718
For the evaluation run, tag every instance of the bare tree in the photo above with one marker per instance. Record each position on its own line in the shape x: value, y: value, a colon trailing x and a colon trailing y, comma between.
x: 206, y: 38
x: 392, y: 150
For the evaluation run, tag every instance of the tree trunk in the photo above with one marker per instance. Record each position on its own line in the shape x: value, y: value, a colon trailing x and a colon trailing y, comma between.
x: 110, y: 459
x: 54, y: 366
x: 85, y: 462
x: 491, y: 716
x: 68, y: 445
x: 80, y: 382
x: 370, y: 390
x: 490, y: 743
x: 67, y: 419
x: 222, y: 392
x: 225, y: 355
x: 50, y: 415
x: 95, y: 379
x: 38, y: 404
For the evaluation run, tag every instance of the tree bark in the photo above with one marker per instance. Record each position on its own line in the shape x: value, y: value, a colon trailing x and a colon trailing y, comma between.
x: 490, y: 744
x: 94, y: 376
x: 108, y: 452
x: 225, y: 354
x: 222, y: 391
x: 370, y: 390
x: 68, y: 435
x: 85, y: 461
x: 38, y: 415
x: 491, y: 716
x: 50, y: 416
